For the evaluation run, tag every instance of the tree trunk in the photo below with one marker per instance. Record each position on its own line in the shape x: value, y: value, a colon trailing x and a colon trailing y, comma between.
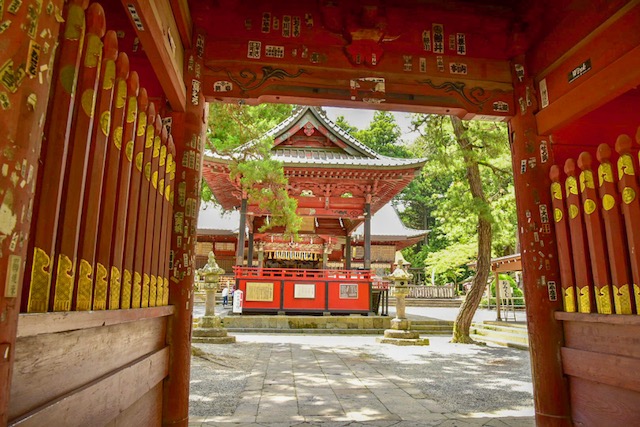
x: 483, y: 264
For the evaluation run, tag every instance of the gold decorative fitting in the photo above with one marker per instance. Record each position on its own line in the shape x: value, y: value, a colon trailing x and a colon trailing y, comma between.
x: 117, y: 137
x: 129, y: 151
x: 40, y: 282
x: 156, y: 146
x: 603, y: 300
x: 109, y: 75
x: 608, y: 202
x: 571, y: 186
x: 105, y: 122
x: 64, y: 284
x: 148, y: 142
x: 147, y: 171
x: 622, y: 299
x: 132, y: 109
x: 85, y: 286
x: 136, y: 292
x: 556, y: 190
x: 145, y: 290
x: 163, y: 155
x: 88, y: 102
x: 114, y: 289
x: 100, y: 297
x: 586, y: 180
x: 589, y: 206
x: 126, y: 289
x: 628, y: 195
x: 570, y: 300
x: 139, y: 159
x: 93, y: 53
x: 625, y: 166
x: 573, y: 211
x: 585, y: 300
x: 142, y: 123
x: 75, y: 26
x: 557, y: 215
x: 121, y: 95
x: 152, y: 291
x: 154, y: 179
x: 160, y: 291
x: 605, y: 173
x: 165, y: 295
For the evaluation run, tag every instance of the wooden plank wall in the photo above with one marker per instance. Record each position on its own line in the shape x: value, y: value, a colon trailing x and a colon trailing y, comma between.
x: 601, y: 358
x: 79, y: 368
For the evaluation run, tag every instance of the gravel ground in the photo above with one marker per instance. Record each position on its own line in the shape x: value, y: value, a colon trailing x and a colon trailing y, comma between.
x: 463, y: 379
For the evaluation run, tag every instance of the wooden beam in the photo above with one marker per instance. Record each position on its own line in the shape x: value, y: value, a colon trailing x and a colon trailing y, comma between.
x: 159, y: 34
x: 614, y: 370
x: 103, y: 399
x: 182, y: 15
x: 619, y: 77
x: 46, y: 323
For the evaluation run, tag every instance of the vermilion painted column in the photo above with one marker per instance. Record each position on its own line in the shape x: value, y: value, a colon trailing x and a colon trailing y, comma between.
x: 93, y: 197
x: 110, y: 185
x: 188, y: 130
x: 614, y: 228
x: 347, y: 253
x: 629, y: 189
x: 580, y: 251
x: 75, y: 177
x: 563, y: 241
x: 54, y: 158
x: 531, y: 163
x: 595, y: 236
x: 21, y: 126
x: 241, y: 232
x: 367, y: 233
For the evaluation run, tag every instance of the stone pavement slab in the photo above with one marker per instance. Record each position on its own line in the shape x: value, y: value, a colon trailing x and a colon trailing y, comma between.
x: 352, y: 381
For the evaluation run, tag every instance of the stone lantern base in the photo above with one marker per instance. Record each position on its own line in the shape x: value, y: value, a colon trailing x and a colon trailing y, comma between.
x: 402, y: 336
x: 210, y: 331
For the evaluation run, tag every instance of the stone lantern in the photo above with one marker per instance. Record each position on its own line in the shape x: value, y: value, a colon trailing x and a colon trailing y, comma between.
x: 399, y: 334
x: 209, y: 329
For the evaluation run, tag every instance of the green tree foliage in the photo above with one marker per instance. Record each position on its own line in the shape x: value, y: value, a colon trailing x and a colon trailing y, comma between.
x: 261, y: 177
x: 441, y: 200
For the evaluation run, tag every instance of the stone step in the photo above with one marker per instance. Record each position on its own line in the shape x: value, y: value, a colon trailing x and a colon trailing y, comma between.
x: 214, y: 340
x: 209, y: 332
x: 501, y: 328
x: 307, y: 331
x: 508, y: 336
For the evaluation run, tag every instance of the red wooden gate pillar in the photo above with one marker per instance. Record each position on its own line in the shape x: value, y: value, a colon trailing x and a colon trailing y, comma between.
x: 23, y: 103
x: 531, y: 164
x: 188, y: 131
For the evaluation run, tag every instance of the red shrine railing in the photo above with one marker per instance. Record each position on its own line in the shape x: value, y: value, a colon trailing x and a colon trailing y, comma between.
x: 299, y: 290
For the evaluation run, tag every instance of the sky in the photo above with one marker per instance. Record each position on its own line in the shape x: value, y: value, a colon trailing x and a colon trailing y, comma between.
x: 362, y: 118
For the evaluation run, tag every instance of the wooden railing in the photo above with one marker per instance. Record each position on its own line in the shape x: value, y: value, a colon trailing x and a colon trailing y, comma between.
x: 103, y: 212
x: 279, y: 273
x: 598, y: 266
x: 445, y: 291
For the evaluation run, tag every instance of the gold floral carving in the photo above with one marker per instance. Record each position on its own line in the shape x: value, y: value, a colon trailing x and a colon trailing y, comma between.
x: 603, y: 300
x: 114, y: 288
x: 139, y: 159
x: 93, y: 53
x: 571, y: 186
x: 148, y: 142
x: 605, y: 173
x: 585, y: 300
x: 622, y: 299
x: 85, y: 286
x: 152, y: 291
x: 556, y: 190
x: 586, y: 180
x: 570, y: 300
x: 121, y: 94
x: 100, y: 297
x: 625, y: 166
x: 105, y: 122
x: 160, y: 290
x: 156, y: 146
x: 145, y: 290
x: 40, y: 282
x: 109, y: 74
x: 132, y: 109
x: 136, y: 292
x: 126, y: 289
x: 88, y: 102
x: 117, y: 137
x: 142, y: 123
x: 165, y: 295
x: 64, y: 284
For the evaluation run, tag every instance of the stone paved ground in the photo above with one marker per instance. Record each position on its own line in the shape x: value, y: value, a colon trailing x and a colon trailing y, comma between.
x: 288, y: 380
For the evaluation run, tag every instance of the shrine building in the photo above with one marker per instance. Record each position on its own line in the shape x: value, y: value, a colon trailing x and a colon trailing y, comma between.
x: 339, y: 184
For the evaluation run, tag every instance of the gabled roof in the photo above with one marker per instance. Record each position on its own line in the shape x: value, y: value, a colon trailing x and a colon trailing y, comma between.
x: 347, y: 150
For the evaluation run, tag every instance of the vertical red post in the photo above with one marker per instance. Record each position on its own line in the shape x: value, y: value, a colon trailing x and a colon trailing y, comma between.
x: 54, y: 158
x: 595, y: 236
x: 143, y: 201
x: 188, y: 130
x: 76, y: 169
x: 134, y: 198
x: 531, y: 163
x: 122, y: 196
x: 149, y: 279
x: 628, y: 188
x: 110, y: 185
x: 581, y: 265
x: 615, y: 234
x: 84, y: 279
x: 563, y: 240
x: 23, y: 105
